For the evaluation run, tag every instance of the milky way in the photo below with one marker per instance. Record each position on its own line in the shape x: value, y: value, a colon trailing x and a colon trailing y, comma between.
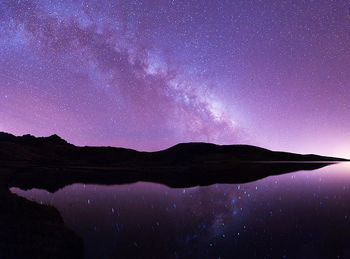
x: 150, y: 74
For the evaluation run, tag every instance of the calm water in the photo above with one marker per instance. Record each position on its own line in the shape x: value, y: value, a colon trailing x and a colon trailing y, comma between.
x: 304, y: 214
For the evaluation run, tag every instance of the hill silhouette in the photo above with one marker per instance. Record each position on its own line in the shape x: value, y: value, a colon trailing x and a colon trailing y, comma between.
x: 53, y: 150
x: 51, y: 163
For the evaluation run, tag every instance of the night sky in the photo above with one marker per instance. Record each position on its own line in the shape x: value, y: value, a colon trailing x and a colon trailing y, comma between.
x: 150, y: 74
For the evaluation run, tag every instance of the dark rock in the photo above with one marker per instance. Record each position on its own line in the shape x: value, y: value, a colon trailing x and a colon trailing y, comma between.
x: 30, y: 230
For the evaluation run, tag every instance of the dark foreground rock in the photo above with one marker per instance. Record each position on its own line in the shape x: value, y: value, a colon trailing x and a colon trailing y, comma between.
x: 30, y: 230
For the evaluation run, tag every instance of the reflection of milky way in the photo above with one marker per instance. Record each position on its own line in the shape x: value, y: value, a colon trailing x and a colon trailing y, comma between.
x: 298, y: 215
x: 149, y: 74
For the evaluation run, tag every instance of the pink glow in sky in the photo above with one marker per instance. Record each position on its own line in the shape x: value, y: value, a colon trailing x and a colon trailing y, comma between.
x: 150, y: 74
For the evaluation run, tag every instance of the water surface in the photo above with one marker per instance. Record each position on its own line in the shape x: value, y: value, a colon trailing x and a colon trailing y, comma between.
x: 298, y: 215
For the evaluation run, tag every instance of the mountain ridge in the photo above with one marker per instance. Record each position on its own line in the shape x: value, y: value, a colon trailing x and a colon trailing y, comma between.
x: 55, y: 149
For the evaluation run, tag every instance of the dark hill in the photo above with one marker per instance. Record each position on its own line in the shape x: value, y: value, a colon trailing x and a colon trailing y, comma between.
x: 51, y: 163
x: 55, y: 150
x: 204, y: 152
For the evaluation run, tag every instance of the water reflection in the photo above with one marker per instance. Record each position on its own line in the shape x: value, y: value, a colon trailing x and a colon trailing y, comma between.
x: 297, y: 215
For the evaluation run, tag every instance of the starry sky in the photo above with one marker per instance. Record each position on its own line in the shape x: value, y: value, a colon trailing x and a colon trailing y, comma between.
x: 150, y: 74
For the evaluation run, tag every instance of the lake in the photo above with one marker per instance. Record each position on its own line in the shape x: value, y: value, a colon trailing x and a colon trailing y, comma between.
x: 303, y: 214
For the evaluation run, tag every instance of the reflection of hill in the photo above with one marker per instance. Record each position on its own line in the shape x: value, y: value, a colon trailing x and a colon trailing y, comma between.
x: 52, y: 163
x: 54, y: 178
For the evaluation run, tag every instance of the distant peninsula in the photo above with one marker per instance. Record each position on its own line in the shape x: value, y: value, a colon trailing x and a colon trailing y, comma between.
x: 51, y: 163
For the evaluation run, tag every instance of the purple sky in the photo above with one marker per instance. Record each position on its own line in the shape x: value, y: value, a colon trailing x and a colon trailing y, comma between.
x: 150, y: 74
